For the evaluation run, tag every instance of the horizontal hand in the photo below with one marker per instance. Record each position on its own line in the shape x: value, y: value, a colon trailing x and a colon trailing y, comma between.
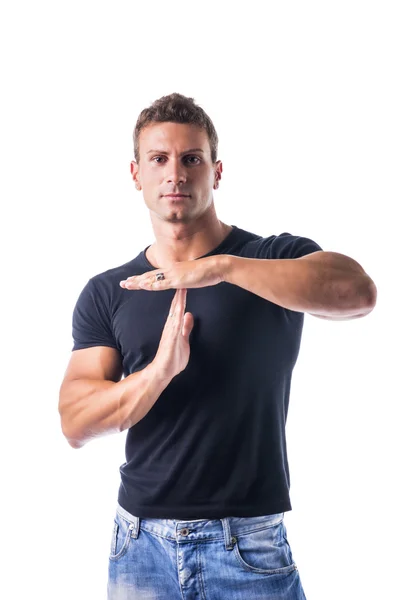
x: 186, y: 274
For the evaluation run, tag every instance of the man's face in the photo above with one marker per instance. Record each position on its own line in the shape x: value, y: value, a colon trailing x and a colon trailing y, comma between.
x: 175, y: 158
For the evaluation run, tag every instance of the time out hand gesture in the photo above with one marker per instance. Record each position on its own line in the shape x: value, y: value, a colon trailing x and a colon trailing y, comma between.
x: 186, y: 274
x: 173, y: 351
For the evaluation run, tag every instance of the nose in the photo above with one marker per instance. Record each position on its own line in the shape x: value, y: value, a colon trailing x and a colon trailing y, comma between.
x: 176, y: 173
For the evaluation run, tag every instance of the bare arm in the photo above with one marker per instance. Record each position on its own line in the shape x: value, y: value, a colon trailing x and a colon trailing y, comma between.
x: 326, y: 284
x: 93, y: 401
x: 95, y: 407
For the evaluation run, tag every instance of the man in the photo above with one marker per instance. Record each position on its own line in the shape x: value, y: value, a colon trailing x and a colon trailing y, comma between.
x: 205, y: 393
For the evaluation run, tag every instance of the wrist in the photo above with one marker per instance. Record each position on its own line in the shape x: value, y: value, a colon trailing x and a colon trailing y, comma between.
x: 226, y: 266
x: 157, y: 374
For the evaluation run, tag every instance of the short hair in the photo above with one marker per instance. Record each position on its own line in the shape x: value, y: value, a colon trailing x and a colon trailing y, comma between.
x: 175, y: 108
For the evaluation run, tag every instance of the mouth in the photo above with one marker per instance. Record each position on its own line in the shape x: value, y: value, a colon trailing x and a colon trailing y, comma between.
x: 177, y: 196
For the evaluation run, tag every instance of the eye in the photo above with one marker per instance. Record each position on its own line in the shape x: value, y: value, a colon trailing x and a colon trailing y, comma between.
x: 186, y: 157
x: 196, y: 157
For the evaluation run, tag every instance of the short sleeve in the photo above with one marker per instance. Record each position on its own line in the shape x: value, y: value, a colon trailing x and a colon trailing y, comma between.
x: 284, y: 245
x: 91, y: 324
x: 287, y: 245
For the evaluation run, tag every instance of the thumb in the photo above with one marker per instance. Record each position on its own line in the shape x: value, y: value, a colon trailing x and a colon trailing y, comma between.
x: 188, y: 322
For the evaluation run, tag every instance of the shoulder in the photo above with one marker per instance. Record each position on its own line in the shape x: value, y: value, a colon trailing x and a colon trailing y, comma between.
x: 284, y: 245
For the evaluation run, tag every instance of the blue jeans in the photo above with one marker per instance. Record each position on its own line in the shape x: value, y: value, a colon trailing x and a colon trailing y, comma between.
x: 235, y: 558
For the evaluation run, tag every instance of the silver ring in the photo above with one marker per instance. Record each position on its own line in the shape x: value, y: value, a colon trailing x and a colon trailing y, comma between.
x: 171, y: 314
x: 160, y: 276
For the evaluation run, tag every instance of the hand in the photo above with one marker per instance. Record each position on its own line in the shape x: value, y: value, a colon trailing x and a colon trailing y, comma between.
x: 173, y: 351
x: 186, y: 274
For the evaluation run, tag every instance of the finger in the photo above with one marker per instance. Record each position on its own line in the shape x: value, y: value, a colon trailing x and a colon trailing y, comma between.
x: 147, y: 281
x: 181, y: 305
x: 180, y: 296
x: 175, y: 301
x: 174, y: 307
x: 188, y: 322
x: 131, y: 283
x: 178, y: 308
x: 154, y: 285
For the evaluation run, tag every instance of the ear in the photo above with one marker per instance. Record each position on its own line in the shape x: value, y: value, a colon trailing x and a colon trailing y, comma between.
x: 135, y: 174
x: 218, y: 174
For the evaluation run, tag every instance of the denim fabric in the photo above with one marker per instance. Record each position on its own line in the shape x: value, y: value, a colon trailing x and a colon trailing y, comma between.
x: 233, y: 558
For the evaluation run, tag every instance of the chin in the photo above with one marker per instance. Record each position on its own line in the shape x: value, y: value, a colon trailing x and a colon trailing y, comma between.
x: 179, y: 219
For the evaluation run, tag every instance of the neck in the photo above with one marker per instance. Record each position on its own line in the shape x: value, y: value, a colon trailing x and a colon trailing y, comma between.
x: 177, y: 242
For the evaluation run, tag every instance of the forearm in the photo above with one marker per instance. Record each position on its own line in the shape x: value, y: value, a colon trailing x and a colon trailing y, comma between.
x: 92, y: 408
x: 327, y: 284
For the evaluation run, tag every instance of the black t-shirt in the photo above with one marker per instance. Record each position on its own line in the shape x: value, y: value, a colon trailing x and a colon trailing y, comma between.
x: 213, y: 445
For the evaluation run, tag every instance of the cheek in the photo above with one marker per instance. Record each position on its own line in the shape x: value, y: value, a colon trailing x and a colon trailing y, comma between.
x: 204, y: 180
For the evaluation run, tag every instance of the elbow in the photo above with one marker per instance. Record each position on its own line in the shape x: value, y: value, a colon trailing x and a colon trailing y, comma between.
x: 72, y: 438
x: 365, y: 295
x: 373, y: 294
x: 358, y: 301
x: 370, y: 296
x: 76, y: 444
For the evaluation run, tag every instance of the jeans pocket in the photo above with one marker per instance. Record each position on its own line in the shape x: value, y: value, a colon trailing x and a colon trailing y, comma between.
x: 121, y: 537
x: 265, y: 550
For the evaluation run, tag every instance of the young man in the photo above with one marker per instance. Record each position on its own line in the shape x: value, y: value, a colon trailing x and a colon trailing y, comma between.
x: 205, y: 325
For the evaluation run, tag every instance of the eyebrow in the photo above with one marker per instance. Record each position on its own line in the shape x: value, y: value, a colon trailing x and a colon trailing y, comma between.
x: 185, y: 152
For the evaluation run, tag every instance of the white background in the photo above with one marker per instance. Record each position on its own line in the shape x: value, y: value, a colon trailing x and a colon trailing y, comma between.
x: 305, y: 99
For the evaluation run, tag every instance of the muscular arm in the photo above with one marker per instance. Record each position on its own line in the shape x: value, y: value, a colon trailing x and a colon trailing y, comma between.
x: 325, y: 284
x: 91, y: 406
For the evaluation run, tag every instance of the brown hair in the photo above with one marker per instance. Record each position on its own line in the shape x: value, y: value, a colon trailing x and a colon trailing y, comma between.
x: 176, y: 108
